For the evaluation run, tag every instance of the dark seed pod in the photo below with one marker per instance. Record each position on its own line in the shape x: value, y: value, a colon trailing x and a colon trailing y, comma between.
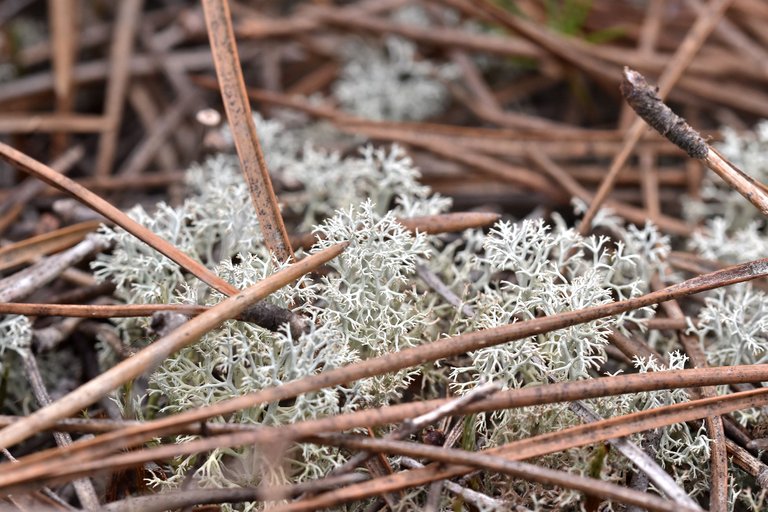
x: 644, y: 100
x: 433, y: 437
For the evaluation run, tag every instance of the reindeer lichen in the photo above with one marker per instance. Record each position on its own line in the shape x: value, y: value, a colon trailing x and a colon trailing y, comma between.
x: 369, y: 302
x: 371, y: 74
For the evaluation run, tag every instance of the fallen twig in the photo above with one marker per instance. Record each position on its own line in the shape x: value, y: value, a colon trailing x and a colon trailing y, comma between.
x: 649, y: 106
x: 252, y: 162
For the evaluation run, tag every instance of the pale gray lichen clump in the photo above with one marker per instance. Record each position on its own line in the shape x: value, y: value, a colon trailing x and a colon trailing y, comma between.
x: 551, y: 272
x: 370, y: 303
x: 15, y: 333
x: 735, y: 229
x: 371, y: 75
x: 61, y: 371
x: 732, y: 325
x: 365, y: 306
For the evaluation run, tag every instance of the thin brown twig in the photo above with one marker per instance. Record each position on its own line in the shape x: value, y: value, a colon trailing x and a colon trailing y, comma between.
x: 34, y: 467
x: 632, y: 347
x: 156, y: 137
x: 173, y: 500
x: 100, y: 425
x: 631, y: 213
x: 95, y: 34
x: 478, y: 499
x: 20, y: 195
x: 433, y: 281
x: 540, y: 395
x: 474, y: 81
x: 515, y: 120
x: 574, y: 142
x: 734, y: 94
x: 32, y: 122
x: 526, y: 448
x: 639, y: 458
x: 748, y: 463
x: 64, y: 35
x: 119, y: 183
x: 498, y: 141
x: 705, y: 23
x: 144, y: 106
x: 575, y: 436
x: 159, y: 45
x: 51, y: 177
x: 193, y: 59
x: 33, y: 248
x: 86, y: 493
x: 254, y: 166
x: 645, y: 463
x: 651, y: 109
x: 126, y: 22
x: 650, y: 184
x: 551, y: 42
x: 412, y: 426
x: 646, y: 43
x: 598, y: 60
x: 474, y: 160
x: 98, y: 310
x: 25, y: 282
x: 672, y: 324
x: 443, y: 37
x: 650, y: 178
x: 736, y: 38
x: 314, y: 81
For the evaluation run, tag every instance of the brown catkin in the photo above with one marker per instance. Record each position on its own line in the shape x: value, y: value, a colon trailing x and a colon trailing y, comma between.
x: 644, y: 100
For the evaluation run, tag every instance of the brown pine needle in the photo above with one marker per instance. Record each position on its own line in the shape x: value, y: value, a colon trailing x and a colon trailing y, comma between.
x: 172, y: 500
x: 449, y: 222
x: 27, y: 281
x: 30, y: 249
x: 537, y: 395
x: 252, y: 162
x: 128, y: 18
x: 411, y: 426
x: 26, y: 475
x: 97, y: 204
x: 63, y: 20
x: 97, y: 310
